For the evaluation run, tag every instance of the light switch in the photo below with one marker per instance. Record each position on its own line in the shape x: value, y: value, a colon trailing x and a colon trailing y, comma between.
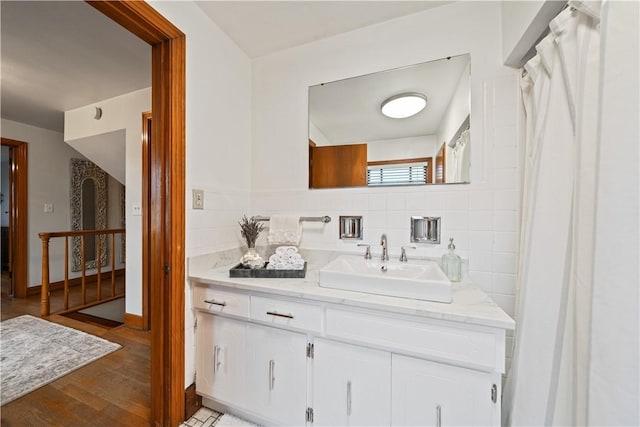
x: 198, y: 199
x: 48, y: 208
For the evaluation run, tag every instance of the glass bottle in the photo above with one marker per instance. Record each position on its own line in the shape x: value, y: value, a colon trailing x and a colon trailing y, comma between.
x: 452, y: 263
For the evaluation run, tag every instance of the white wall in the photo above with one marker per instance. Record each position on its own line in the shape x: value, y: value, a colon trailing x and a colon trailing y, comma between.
x: 523, y: 22
x: 457, y: 111
x: 49, y: 180
x: 218, y: 134
x: 121, y: 116
x: 482, y: 216
x: 402, y: 148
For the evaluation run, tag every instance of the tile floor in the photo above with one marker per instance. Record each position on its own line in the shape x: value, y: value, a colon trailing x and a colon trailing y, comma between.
x: 205, y: 417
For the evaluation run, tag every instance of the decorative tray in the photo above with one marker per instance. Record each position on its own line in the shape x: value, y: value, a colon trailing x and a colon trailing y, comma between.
x: 240, y: 271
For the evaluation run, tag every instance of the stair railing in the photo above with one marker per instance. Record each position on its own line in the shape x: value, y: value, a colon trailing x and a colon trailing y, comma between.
x: 45, y: 305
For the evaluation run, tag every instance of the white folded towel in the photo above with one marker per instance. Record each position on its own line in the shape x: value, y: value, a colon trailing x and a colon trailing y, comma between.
x: 284, y: 230
x: 285, y: 262
x: 286, y: 250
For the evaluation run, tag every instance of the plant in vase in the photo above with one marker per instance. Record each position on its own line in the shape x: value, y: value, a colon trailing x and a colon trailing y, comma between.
x: 250, y: 230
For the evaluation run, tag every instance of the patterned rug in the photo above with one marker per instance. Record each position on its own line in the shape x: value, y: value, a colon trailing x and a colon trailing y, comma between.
x: 34, y: 352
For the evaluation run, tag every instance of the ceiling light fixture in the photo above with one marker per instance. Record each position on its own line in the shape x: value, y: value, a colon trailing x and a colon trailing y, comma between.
x: 403, y: 105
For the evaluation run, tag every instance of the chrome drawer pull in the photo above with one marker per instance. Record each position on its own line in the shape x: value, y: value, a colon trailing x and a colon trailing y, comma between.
x: 438, y: 416
x: 216, y: 358
x: 214, y: 302
x: 348, y: 398
x: 272, y: 374
x: 275, y: 313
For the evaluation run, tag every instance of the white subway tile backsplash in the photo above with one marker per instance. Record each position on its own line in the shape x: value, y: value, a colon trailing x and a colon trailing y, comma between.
x: 435, y: 201
x: 480, y: 200
x: 483, y: 279
x: 506, y: 200
x: 504, y: 283
x: 504, y: 262
x: 506, y: 302
x: 506, y: 157
x: 505, y: 221
x: 456, y: 220
x: 505, y: 241
x: 457, y: 200
x: 480, y: 240
x: 396, y: 201
x: 505, y: 136
x: 480, y: 261
x: 377, y: 202
x: 481, y: 221
x: 506, y: 179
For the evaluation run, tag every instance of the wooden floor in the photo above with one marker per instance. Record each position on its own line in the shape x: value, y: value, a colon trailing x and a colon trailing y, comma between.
x: 112, y: 391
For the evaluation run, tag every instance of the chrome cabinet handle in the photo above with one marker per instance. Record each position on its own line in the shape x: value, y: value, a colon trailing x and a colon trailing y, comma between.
x: 348, y: 398
x: 438, y: 416
x: 272, y: 378
x: 216, y: 358
x: 214, y: 302
x: 275, y: 313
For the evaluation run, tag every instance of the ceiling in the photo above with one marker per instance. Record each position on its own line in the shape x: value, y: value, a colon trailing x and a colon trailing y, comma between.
x: 61, y: 55
x: 348, y: 111
x: 264, y: 27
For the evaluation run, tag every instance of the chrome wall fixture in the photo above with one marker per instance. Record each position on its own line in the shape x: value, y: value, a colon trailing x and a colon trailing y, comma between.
x: 350, y: 228
x: 425, y: 229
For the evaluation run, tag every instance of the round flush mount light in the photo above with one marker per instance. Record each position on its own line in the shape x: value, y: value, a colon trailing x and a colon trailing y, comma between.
x: 403, y: 105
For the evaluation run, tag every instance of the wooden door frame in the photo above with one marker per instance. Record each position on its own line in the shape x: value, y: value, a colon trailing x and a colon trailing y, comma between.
x: 18, y: 215
x: 146, y: 218
x: 165, y: 231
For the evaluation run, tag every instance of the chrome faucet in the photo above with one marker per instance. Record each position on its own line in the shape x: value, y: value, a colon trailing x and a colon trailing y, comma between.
x: 383, y: 242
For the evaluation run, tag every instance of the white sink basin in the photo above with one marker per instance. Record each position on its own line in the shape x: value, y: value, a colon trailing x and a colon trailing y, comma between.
x: 416, y: 279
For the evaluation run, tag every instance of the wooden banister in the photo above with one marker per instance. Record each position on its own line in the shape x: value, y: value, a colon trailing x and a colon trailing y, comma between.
x: 45, y: 237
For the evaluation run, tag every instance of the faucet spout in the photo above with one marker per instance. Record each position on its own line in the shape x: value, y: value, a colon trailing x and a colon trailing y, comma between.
x: 383, y: 242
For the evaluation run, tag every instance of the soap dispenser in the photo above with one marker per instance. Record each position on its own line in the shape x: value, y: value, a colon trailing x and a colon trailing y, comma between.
x: 452, y: 263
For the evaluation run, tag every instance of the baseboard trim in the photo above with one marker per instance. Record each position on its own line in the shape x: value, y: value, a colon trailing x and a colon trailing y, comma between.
x: 133, y: 321
x: 76, y: 281
x: 192, y: 402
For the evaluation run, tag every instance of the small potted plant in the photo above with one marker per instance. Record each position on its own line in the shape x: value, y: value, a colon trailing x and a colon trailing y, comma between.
x: 250, y: 230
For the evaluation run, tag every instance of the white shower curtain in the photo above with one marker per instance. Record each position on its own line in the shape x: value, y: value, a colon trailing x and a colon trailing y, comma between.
x: 549, y: 380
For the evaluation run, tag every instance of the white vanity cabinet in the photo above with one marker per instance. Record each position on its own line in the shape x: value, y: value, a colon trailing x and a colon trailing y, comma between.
x: 221, y: 358
x: 352, y: 385
x: 426, y: 393
x: 277, y: 374
x: 300, y: 359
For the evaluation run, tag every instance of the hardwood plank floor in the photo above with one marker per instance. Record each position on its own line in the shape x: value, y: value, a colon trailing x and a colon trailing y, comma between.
x: 112, y: 391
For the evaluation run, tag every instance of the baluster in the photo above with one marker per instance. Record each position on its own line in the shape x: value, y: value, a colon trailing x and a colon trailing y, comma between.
x: 113, y: 264
x: 44, y: 290
x: 66, y: 272
x: 98, y: 263
x: 84, y: 270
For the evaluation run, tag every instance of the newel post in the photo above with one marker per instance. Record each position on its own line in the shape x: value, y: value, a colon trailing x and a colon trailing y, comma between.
x: 44, y: 290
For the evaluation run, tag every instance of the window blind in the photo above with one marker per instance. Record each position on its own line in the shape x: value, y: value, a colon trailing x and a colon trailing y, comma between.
x: 397, y: 174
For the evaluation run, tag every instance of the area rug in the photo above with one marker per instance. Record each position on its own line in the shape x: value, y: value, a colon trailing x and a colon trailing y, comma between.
x: 35, y: 352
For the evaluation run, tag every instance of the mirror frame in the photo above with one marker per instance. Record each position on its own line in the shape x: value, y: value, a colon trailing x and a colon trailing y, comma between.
x: 81, y: 170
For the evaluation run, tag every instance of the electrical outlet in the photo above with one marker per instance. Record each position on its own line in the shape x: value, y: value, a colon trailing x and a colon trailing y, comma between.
x: 48, y: 208
x: 198, y: 199
x: 137, y: 210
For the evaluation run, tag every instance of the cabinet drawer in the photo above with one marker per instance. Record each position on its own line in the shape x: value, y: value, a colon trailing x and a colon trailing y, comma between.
x: 219, y: 301
x: 470, y: 347
x: 287, y: 313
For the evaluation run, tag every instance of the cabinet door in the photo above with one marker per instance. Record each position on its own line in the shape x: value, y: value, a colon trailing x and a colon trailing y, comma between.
x: 352, y: 385
x: 221, y: 359
x: 426, y: 393
x: 277, y: 375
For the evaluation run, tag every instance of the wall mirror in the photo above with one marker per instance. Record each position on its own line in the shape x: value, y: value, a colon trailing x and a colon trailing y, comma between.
x: 88, y: 212
x: 352, y: 143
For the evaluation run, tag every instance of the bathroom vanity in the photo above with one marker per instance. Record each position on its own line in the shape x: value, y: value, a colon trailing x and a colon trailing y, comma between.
x: 289, y: 352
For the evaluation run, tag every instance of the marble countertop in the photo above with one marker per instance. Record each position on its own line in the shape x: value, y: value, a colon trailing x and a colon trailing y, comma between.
x: 469, y: 304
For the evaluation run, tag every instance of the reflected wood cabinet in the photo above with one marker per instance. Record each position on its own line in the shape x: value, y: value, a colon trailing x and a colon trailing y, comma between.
x: 337, y: 166
x: 282, y: 361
